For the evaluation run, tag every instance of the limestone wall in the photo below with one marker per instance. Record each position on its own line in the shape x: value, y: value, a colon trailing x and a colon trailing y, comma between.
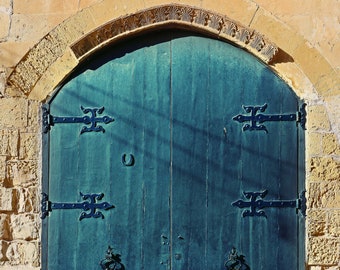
x: 36, y: 37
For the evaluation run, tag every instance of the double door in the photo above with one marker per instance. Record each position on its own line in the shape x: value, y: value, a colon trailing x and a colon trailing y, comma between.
x: 171, y: 161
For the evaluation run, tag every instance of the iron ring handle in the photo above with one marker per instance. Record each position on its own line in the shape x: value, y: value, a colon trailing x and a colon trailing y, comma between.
x: 130, y: 162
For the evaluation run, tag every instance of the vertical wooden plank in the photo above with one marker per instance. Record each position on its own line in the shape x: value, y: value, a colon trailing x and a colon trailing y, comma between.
x: 189, y: 152
x: 262, y: 157
x: 288, y: 218
x: 223, y: 222
x: 156, y: 142
x: 126, y: 97
x: 45, y: 189
x: 63, y: 142
x: 301, y: 188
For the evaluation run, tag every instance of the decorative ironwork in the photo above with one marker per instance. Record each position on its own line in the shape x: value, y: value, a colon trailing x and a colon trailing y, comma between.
x: 130, y: 162
x: 235, y: 261
x: 256, y: 119
x: 91, y: 120
x: 254, y: 204
x: 89, y: 204
x: 112, y: 261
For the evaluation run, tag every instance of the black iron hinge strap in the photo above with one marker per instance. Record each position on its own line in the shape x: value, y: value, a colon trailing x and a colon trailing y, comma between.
x: 90, y: 120
x: 256, y: 204
x: 255, y: 119
x: 89, y: 206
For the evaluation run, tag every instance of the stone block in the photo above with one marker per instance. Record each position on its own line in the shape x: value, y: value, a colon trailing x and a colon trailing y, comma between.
x: 328, y: 85
x: 323, y: 251
x: 333, y: 109
x: 294, y: 76
x: 43, y: 54
x: 337, y: 267
x: 243, y: 11
x: 315, y: 268
x: 13, y: 112
x: 314, y: 144
x: 23, y: 253
x: 30, y: 69
x: 28, y: 146
x: 12, y: 89
x: 5, y: 20
x: 330, y: 144
x: 32, y: 27
x: 52, y: 77
x: 277, y: 31
x: 317, y: 119
x: 12, y: 52
x: 107, y: 10
x: 22, y: 173
x: 2, y: 80
x: 34, y: 116
x: 9, y: 140
x: 2, y: 170
x: 316, y: 220
x: 324, y: 169
x: 324, y: 195
x: 3, y: 248
x: 25, y: 226
x: 7, y: 266
x: 44, y: 6
x: 304, y: 56
x: 333, y: 223
x: 5, y: 3
x: 6, y: 199
x: 326, y: 28
x: 86, y: 3
x: 5, y: 232
x: 74, y: 27
x: 27, y: 200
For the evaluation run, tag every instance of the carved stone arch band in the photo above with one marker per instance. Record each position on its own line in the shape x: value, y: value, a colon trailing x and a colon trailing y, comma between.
x: 177, y: 16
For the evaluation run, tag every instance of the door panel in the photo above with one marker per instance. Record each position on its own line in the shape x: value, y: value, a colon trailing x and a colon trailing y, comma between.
x: 134, y: 91
x: 223, y: 161
x: 173, y: 97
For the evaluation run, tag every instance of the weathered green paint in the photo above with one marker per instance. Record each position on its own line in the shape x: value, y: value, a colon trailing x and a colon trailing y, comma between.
x: 173, y: 97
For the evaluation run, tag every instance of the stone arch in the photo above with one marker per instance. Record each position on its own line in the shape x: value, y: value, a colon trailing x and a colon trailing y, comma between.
x: 62, y: 49
x: 176, y: 16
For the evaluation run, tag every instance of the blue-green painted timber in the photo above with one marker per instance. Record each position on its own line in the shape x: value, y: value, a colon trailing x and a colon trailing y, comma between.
x: 174, y: 160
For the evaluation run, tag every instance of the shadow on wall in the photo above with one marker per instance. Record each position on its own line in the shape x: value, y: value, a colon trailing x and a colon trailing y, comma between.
x: 281, y: 57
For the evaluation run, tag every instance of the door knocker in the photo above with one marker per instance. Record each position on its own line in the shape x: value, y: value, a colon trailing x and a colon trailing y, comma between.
x: 235, y: 261
x: 112, y: 261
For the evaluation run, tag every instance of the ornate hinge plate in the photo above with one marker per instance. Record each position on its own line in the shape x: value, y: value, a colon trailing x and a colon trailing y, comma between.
x: 91, y: 121
x: 255, y: 119
x: 89, y: 206
x: 256, y: 205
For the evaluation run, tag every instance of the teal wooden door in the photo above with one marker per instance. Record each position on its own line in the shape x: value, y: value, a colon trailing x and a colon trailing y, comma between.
x: 173, y: 161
